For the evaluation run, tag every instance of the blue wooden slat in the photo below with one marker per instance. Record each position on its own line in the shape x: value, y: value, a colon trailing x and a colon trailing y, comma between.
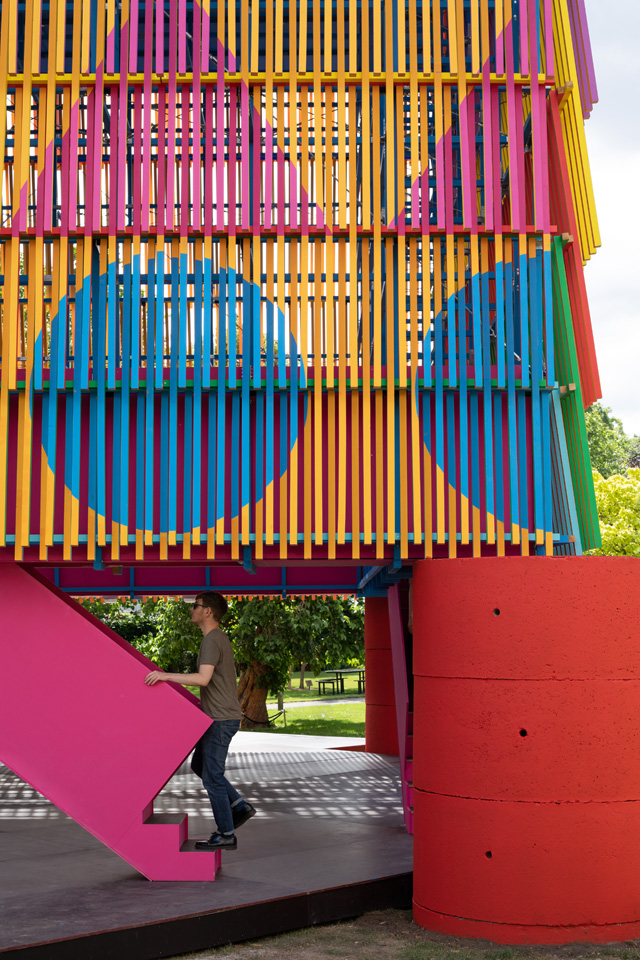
x: 536, y: 363
x: 197, y: 391
x: 112, y: 325
x: 235, y: 459
x: 164, y: 459
x: 135, y: 321
x: 499, y: 455
x: 487, y: 399
x: 159, y: 317
x: 207, y: 320
x: 522, y: 460
x: 511, y: 398
x: 463, y: 415
x: 211, y: 463
x: 140, y: 453
x: 115, y: 461
x: 179, y: 286
x: 187, y: 523
x: 222, y: 373
x: 245, y: 441
x: 500, y: 335
x: 232, y: 308
x: 524, y: 312
x: 548, y: 317
x: 475, y: 455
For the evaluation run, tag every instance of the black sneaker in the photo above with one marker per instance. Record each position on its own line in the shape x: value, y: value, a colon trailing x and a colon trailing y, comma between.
x: 242, y: 813
x: 218, y: 841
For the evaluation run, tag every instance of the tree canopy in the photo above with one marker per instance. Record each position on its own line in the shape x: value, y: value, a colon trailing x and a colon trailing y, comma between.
x: 618, y: 500
x: 612, y: 451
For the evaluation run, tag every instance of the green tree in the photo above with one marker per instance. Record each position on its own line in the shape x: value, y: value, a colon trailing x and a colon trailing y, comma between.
x: 618, y: 500
x: 161, y: 629
x: 610, y: 448
x: 270, y: 634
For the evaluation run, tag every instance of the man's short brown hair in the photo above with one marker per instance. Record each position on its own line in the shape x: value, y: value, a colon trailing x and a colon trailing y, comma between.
x: 214, y: 602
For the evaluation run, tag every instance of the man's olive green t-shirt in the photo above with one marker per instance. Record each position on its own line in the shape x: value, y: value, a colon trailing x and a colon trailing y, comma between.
x: 219, y: 698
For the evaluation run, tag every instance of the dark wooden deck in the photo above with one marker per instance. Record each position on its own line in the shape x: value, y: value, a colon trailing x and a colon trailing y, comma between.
x: 328, y: 843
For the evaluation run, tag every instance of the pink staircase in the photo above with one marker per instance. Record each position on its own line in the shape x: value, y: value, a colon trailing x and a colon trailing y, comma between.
x: 403, y: 716
x: 78, y: 723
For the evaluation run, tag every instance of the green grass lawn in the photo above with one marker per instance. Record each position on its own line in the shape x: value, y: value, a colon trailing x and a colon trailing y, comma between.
x: 332, y: 720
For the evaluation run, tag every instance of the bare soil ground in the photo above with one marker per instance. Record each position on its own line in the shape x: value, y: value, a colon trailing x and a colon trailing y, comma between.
x: 392, y: 935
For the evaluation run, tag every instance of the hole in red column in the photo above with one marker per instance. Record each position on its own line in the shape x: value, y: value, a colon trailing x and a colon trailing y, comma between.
x: 523, y: 732
x: 496, y: 612
x: 488, y: 854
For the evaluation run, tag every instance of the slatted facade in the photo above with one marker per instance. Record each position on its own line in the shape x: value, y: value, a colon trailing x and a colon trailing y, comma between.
x: 295, y: 280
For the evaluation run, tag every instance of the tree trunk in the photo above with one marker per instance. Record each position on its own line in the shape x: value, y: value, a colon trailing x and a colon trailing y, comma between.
x: 302, y: 666
x: 252, y: 698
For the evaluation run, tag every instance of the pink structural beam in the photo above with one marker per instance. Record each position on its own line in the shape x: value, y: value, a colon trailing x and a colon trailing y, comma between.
x: 79, y: 725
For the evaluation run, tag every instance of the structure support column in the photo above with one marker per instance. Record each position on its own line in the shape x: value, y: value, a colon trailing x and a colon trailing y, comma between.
x: 527, y: 748
x: 381, y: 732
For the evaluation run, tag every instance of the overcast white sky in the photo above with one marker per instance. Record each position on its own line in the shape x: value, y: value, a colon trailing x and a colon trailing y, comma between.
x: 613, y: 137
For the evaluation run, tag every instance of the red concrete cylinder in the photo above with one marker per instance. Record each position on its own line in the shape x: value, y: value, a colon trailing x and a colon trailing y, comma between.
x: 527, y: 748
x: 381, y: 732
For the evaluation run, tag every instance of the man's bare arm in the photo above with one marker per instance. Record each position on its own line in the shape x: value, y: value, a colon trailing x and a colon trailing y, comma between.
x: 199, y: 679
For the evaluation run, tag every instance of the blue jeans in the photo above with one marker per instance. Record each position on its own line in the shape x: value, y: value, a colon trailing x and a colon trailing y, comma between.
x: 214, y: 747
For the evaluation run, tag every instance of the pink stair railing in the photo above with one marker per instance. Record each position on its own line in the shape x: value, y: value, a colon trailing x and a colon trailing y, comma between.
x: 78, y: 723
x: 403, y: 716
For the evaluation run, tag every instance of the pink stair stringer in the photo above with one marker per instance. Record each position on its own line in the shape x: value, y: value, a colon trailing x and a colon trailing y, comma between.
x: 79, y: 724
x: 403, y: 716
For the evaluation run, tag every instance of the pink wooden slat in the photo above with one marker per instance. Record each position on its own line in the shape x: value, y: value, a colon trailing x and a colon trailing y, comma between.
x: 497, y: 172
x: 233, y: 150
x: 196, y: 115
x: 163, y: 215
x: 159, y: 36
x: 184, y: 160
x: 143, y: 124
x: 113, y: 164
x: 96, y: 173
x: 182, y: 36
x: 488, y: 119
x: 220, y: 136
x: 208, y: 160
x: 133, y: 38
x: 244, y: 153
x: 122, y: 130
x: 141, y: 167
x: 524, y: 38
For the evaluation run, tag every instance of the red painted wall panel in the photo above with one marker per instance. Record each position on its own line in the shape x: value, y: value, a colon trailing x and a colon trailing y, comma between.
x: 551, y: 863
x: 543, y: 740
x: 555, y: 620
x: 381, y: 732
x: 527, y: 748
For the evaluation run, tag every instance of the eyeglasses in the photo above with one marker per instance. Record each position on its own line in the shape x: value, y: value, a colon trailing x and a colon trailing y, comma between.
x: 198, y: 605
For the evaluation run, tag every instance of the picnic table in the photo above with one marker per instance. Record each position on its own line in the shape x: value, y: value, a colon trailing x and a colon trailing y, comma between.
x: 340, y: 674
